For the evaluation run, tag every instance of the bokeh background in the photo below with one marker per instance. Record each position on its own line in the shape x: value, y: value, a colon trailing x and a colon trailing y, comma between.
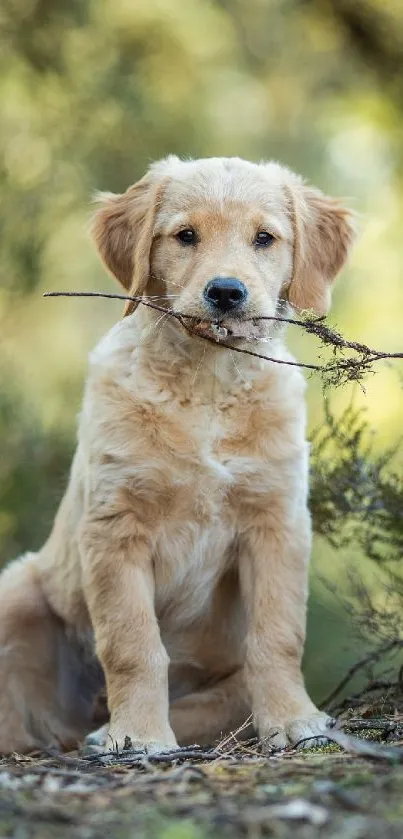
x: 91, y: 91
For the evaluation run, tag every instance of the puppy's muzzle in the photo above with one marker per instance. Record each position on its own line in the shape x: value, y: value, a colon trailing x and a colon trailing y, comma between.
x: 225, y: 294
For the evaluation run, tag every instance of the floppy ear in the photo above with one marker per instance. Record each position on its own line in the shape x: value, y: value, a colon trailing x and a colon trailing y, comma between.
x: 323, y: 233
x: 123, y: 233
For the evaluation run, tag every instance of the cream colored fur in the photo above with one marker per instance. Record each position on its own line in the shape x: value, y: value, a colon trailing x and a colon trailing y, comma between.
x: 177, y: 564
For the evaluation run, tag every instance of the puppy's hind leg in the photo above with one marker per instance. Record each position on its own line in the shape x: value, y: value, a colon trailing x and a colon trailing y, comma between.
x: 36, y: 663
x: 208, y: 714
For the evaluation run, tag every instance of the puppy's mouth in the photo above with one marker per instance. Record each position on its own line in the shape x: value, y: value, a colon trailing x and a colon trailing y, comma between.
x: 227, y: 331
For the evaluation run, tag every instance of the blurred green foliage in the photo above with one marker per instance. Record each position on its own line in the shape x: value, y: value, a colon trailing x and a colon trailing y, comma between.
x: 91, y: 91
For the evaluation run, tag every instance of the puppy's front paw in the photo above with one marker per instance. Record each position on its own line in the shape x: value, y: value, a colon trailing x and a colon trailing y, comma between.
x: 311, y: 730
x: 112, y: 739
x: 307, y: 731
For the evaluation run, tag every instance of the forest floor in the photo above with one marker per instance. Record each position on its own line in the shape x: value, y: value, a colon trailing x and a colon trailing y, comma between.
x: 349, y: 790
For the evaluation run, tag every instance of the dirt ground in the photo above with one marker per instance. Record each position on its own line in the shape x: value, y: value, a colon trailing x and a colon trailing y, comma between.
x: 234, y: 790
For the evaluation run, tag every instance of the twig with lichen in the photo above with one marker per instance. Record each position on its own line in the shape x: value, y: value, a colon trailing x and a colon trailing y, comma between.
x: 337, y: 372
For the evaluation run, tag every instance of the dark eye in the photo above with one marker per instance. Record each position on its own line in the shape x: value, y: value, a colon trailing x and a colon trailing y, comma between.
x: 263, y: 239
x: 187, y: 236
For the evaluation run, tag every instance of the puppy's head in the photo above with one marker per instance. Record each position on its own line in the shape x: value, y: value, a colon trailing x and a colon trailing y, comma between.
x: 224, y: 240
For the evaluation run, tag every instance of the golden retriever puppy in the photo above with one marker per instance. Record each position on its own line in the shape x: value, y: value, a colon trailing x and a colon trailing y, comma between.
x: 176, y: 571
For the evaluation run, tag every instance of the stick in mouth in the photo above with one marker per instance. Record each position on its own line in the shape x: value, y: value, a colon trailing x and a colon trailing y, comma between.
x: 246, y: 330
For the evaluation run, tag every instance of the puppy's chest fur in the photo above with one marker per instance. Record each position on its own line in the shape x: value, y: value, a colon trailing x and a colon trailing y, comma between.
x: 202, y: 462
x: 197, y: 539
x: 194, y: 471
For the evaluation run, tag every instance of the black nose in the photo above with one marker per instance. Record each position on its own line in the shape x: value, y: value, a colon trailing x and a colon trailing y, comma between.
x: 225, y: 293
